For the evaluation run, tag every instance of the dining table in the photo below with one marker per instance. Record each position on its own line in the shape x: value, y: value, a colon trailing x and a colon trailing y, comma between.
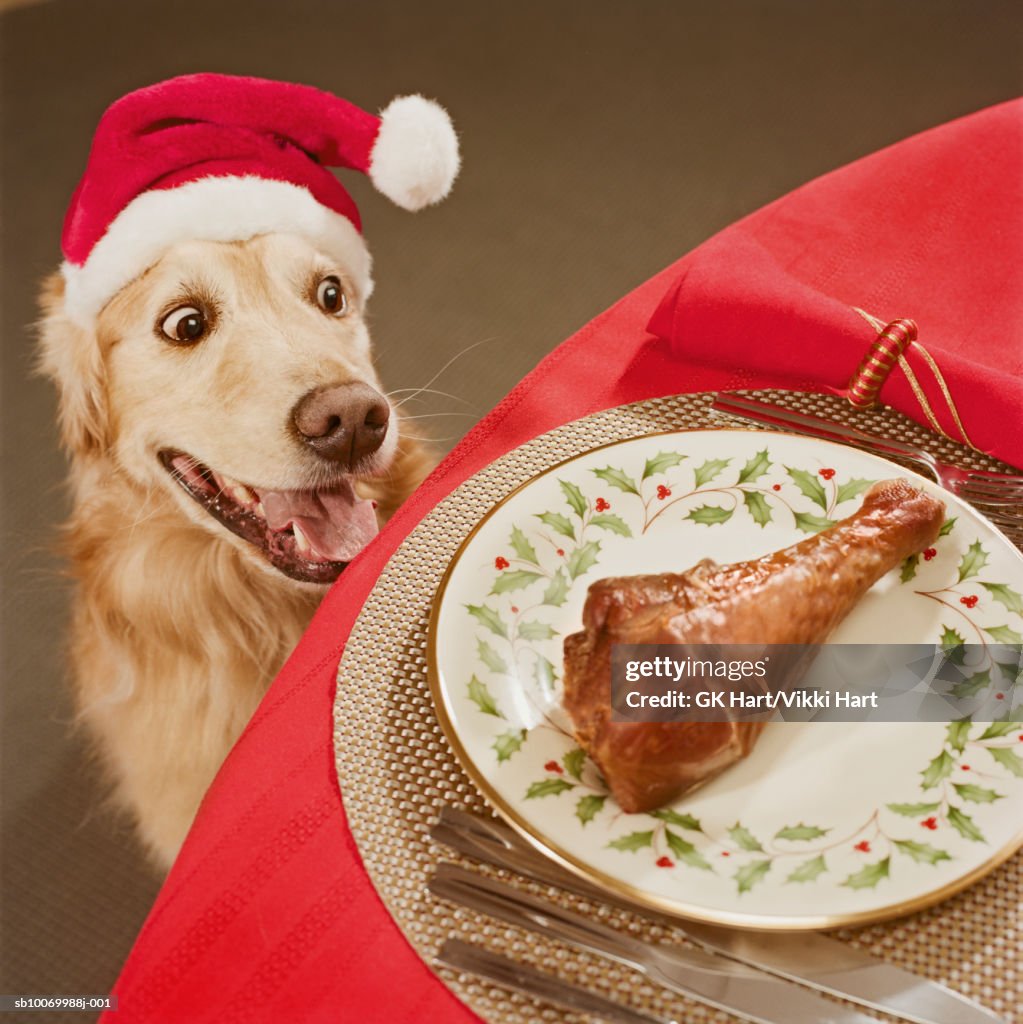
x: 298, y: 895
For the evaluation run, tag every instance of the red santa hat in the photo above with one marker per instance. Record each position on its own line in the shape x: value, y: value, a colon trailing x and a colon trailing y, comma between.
x: 224, y: 158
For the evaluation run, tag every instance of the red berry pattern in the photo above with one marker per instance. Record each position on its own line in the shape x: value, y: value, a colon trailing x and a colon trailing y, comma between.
x: 826, y: 473
x: 929, y: 553
x: 665, y: 862
x: 553, y: 766
x: 970, y: 601
x: 663, y: 492
x: 931, y: 823
x: 777, y: 487
x: 863, y: 846
x: 561, y: 552
x: 501, y: 562
x: 602, y: 505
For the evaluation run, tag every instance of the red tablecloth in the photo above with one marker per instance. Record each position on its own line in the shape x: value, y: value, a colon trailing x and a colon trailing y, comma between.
x: 268, y: 914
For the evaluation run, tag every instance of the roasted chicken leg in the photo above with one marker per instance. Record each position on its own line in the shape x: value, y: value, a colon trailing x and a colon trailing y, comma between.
x: 794, y: 596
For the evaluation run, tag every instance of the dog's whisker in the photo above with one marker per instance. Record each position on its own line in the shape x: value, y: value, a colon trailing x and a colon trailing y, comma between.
x: 141, y: 517
x: 418, y: 437
x: 427, y: 391
x: 429, y: 415
x: 454, y: 358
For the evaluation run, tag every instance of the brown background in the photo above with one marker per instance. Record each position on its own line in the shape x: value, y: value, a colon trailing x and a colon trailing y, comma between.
x: 600, y: 140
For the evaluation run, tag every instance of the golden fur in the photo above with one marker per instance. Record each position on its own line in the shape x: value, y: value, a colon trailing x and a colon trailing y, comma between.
x: 178, y: 625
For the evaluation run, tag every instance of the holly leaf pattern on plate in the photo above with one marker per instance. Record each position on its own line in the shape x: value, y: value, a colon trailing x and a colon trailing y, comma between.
x: 965, y: 825
x: 544, y: 673
x: 744, y: 839
x: 522, y: 547
x: 574, y: 761
x: 757, y: 506
x: 940, y: 768
x: 1004, y: 634
x: 709, y: 470
x: 957, y: 733
x: 810, y: 523
x: 976, y: 794
x: 685, y: 851
x: 536, y: 631
x: 548, y: 787
x: 661, y: 462
x: 947, y: 526
x: 516, y: 579
x: 913, y: 810
x: 1008, y: 759
x: 809, y: 870
x: 489, y: 618
x: 556, y: 593
x: 869, y: 875
x: 509, y: 743
x: 686, y: 821
x: 809, y: 485
x: 909, y: 567
x: 558, y: 523
x: 574, y: 497
x: 801, y: 832
x: 589, y: 807
x: 972, y: 685
x: 998, y: 729
x: 632, y: 842
x: 583, y: 558
x: 490, y: 657
x: 953, y: 644
x: 1004, y: 594
x: 749, y: 874
x: 483, y: 699
x: 922, y: 853
x: 616, y: 478
x: 609, y: 521
x: 710, y: 515
x: 972, y: 561
x: 755, y: 468
x: 851, y: 489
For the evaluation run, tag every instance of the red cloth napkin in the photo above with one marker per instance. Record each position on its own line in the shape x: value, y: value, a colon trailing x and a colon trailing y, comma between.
x: 268, y: 914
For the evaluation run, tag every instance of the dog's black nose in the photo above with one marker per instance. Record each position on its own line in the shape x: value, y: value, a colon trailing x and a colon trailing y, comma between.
x: 342, y: 422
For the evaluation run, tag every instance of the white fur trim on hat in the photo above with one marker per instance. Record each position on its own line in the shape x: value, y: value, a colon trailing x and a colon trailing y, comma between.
x: 415, y: 157
x: 216, y: 209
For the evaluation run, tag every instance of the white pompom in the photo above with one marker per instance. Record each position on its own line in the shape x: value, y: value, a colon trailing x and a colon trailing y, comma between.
x: 415, y: 157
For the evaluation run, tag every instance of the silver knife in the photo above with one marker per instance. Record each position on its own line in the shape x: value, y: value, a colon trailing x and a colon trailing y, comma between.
x: 757, y: 997
x: 807, y: 958
x: 464, y: 956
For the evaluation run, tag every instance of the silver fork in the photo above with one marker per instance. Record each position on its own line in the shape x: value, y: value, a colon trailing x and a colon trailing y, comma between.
x: 472, y: 959
x: 974, y: 485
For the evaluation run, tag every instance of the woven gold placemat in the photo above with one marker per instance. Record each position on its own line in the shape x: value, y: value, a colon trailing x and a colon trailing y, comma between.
x: 396, y: 770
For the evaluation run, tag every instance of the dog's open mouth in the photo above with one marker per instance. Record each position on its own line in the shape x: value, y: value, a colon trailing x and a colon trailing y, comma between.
x: 307, y: 535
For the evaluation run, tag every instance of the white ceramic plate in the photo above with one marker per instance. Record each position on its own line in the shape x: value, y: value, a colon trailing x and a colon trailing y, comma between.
x: 824, y: 824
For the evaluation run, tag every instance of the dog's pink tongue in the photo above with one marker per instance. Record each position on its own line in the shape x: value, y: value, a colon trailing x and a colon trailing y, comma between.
x: 337, y: 524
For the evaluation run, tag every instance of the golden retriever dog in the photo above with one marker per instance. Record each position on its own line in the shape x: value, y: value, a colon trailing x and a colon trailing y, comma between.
x: 231, y: 450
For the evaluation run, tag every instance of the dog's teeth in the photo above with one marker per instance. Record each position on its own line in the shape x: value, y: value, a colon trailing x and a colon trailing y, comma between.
x: 242, y: 494
x: 302, y: 545
x: 259, y: 510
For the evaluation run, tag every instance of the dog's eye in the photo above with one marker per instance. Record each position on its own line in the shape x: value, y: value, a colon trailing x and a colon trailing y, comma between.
x: 185, y: 325
x: 330, y: 297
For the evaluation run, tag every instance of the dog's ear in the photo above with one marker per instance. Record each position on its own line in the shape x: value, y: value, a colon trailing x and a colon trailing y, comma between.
x: 70, y: 356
